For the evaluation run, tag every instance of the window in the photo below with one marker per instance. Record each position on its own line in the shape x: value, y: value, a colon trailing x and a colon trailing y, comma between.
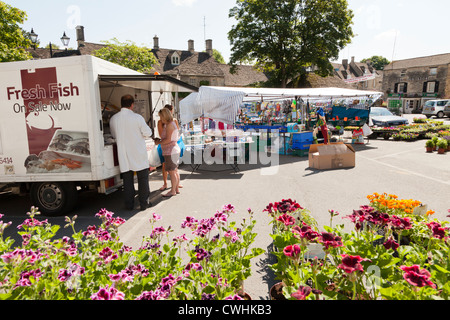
x: 433, y: 71
x: 175, y: 59
x: 403, y: 73
x: 431, y: 87
x: 401, y: 87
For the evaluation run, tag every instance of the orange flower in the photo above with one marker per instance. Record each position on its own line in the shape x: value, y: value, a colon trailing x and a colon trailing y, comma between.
x: 430, y: 213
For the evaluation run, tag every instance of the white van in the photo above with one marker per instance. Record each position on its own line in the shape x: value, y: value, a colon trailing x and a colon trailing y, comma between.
x: 54, y: 126
x: 435, y: 108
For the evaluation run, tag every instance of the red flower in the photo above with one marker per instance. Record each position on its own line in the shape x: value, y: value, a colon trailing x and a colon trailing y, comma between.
x: 302, y: 293
x: 401, y: 223
x: 286, y: 219
x: 283, y: 206
x: 351, y: 264
x: 391, y: 244
x: 292, y: 252
x: 438, y: 230
x: 417, y: 277
x: 305, y: 232
x: 329, y: 240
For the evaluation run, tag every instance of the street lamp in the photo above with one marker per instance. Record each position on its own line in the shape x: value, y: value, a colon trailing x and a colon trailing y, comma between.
x: 65, y: 40
x: 33, y: 38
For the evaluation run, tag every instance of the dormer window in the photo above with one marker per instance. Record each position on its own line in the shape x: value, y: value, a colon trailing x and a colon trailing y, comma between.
x: 175, y: 59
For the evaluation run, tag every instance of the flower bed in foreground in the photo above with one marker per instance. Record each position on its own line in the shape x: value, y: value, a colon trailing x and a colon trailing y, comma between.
x: 95, y: 265
x: 393, y: 254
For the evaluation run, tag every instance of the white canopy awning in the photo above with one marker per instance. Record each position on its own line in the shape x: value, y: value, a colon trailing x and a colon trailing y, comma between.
x: 222, y: 103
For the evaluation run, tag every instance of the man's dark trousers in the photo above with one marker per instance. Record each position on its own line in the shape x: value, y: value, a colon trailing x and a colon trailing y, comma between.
x: 130, y: 191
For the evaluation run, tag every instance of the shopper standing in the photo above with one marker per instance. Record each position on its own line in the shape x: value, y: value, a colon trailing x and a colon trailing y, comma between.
x: 170, y: 149
x: 130, y: 130
x: 160, y: 131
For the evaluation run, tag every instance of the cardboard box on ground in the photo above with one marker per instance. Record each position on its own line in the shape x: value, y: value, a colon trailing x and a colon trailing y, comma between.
x: 331, y: 156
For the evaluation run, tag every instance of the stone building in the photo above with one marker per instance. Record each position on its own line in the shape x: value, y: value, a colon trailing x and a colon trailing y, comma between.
x: 409, y: 83
x: 200, y: 68
x: 359, y: 75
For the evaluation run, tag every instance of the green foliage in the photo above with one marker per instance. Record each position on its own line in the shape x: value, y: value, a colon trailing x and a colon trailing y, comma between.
x: 218, y: 56
x: 13, y: 40
x: 378, y: 62
x: 94, y: 264
x: 392, y: 254
x: 127, y: 54
x: 286, y: 37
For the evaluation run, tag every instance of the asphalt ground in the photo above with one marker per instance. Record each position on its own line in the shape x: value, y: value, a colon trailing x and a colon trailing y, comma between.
x: 401, y: 168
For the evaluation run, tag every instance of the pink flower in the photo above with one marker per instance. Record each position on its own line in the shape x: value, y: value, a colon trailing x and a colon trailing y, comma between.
x: 189, y: 222
x: 293, y: 252
x: 234, y: 297
x: 232, y: 236
x: 104, y: 214
x: 107, y: 255
x: 108, y: 293
x: 64, y: 275
x: 417, y: 277
x: 155, y: 217
x: 286, y: 219
x: 302, y: 293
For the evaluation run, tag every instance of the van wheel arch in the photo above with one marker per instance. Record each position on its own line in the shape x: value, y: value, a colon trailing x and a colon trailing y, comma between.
x: 54, y: 198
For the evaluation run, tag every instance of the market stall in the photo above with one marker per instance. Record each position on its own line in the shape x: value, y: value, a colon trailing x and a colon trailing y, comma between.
x: 262, y: 111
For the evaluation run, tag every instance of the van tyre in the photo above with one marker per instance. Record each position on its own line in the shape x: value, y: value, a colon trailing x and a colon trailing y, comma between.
x: 54, y: 198
x: 440, y: 114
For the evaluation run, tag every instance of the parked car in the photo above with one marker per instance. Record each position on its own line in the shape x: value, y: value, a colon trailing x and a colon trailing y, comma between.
x: 447, y: 110
x: 435, y: 108
x: 382, y: 117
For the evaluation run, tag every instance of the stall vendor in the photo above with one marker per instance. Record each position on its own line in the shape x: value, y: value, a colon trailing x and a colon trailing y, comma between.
x: 322, y: 124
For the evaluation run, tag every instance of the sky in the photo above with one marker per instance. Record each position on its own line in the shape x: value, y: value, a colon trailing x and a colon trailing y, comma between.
x: 395, y: 29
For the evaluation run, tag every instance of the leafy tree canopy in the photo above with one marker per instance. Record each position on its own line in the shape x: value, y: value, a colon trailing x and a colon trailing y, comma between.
x: 127, y: 54
x: 378, y: 62
x: 284, y: 37
x: 13, y: 40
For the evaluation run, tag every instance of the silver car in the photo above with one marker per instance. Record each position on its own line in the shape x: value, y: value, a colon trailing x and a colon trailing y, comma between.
x: 435, y: 108
x: 382, y: 117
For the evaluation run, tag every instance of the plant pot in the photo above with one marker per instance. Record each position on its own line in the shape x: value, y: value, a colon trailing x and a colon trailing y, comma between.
x: 441, y: 151
x: 276, y: 292
x: 244, y: 295
x: 430, y: 149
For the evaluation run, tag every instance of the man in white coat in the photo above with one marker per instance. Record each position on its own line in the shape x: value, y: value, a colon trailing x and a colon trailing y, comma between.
x: 130, y: 130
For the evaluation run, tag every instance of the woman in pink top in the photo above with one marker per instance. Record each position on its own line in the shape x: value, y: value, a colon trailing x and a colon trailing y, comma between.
x: 170, y: 149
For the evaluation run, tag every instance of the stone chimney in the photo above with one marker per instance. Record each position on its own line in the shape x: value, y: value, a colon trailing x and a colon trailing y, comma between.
x: 209, y: 48
x: 191, y: 46
x: 80, y: 36
x: 156, y: 42
x: 345, y: 63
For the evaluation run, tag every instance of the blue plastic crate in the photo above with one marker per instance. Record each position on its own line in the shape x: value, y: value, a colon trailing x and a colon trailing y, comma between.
x: 302, y: 137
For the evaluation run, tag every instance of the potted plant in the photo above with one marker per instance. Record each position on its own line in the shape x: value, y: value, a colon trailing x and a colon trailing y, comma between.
x: 447, y: 138
x: 430, y: 146
x: 442, y: 146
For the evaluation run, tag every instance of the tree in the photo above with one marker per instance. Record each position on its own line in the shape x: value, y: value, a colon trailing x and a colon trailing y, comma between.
x: 127, y: 54
x: 218, y: 56
x: 284, y: 37
x: 378, y: 62
x: 13, y: 39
